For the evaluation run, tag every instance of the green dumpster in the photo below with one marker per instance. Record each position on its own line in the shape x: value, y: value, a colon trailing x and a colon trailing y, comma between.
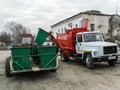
x: 41, y: 36
x: 47, y: 56
x: 21, y: 58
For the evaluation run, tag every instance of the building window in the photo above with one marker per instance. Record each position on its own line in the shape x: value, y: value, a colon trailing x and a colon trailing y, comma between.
x: 65, y: 28
x: 70, y: 25
x: 62, y: 30
x: 76, y: 25
x: 58, y: 31
x: 92, y: 27
x: 80, y: 24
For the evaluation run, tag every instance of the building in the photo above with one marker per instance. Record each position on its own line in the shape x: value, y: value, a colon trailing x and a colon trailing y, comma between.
x: 96, y: 21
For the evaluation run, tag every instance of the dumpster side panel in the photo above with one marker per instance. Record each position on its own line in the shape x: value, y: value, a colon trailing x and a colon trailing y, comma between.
x: 21, y: 58
x: 47, y: 56
x: 35, y: 56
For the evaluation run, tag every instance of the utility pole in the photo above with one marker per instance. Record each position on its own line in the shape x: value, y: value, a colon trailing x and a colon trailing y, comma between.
x: 116, y: 7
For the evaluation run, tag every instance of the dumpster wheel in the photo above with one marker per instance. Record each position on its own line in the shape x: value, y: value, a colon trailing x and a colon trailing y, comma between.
x: 53, y: 70
x: 7, y: 67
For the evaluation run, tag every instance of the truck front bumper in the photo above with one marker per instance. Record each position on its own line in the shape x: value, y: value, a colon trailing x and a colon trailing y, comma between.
x: 106, y: 57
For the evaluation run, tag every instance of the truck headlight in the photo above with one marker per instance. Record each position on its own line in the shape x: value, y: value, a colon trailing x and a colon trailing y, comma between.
x: 96, y: 53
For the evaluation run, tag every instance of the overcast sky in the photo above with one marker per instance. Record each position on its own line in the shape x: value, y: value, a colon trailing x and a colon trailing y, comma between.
x: 44, y: 13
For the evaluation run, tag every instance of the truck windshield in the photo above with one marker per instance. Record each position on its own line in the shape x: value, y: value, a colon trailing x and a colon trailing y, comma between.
x: 92, y: 37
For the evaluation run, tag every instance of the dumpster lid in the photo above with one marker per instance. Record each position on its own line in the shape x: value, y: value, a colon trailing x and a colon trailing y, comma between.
x: 41, y: 36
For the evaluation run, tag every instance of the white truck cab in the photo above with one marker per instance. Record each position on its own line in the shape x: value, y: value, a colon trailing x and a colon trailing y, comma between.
x: 92, y: 47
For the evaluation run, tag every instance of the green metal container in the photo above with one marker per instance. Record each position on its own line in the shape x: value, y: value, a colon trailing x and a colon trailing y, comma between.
x: 35, y: 56
x: 21, y: 58
x: 47, y: 56
x: 41, y: 36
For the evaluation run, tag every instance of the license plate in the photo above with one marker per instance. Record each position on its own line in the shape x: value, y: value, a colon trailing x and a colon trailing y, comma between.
x: 112, y: 57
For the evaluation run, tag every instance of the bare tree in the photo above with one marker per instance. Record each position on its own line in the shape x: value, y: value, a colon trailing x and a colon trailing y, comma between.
x: 114, y: 29
x: 5, y: 37
x: 15, y: 30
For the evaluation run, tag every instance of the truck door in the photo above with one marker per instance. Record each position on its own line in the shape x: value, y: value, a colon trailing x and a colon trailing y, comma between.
x: 79, y: 43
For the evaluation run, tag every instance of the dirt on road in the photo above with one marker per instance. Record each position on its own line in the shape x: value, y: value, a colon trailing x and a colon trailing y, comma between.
x: 70, y: 76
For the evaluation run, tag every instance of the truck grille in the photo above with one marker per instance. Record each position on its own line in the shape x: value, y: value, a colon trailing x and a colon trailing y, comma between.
x: 110, y: 49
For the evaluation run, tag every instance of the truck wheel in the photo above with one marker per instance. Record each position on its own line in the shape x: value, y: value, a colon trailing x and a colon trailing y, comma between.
x: 112, y: 62
x: 63, y: 57
x: 7, y: 67
x: 89, y: 61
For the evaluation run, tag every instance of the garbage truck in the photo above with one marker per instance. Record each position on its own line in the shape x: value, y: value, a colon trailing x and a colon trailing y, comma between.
x: 86, y: 46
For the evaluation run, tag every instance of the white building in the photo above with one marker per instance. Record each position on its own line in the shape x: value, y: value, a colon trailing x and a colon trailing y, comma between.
x: 96, y: 21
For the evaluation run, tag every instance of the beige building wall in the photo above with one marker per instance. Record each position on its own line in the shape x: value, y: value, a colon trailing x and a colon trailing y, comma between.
x: 100, y: 22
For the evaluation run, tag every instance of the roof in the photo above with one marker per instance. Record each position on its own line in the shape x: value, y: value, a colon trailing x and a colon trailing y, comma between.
x: 92, y: 12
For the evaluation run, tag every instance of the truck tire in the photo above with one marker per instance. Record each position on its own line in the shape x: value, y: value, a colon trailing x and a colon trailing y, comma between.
x: 89, y: 61
x: 63, y: 57
x: 112, y: 62
x: 7, y: 67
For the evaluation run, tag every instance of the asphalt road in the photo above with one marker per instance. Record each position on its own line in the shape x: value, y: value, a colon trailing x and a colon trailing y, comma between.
x: 70, y: 76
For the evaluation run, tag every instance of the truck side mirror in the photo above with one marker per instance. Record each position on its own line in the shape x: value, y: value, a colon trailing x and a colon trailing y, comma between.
x: 75, y: 42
